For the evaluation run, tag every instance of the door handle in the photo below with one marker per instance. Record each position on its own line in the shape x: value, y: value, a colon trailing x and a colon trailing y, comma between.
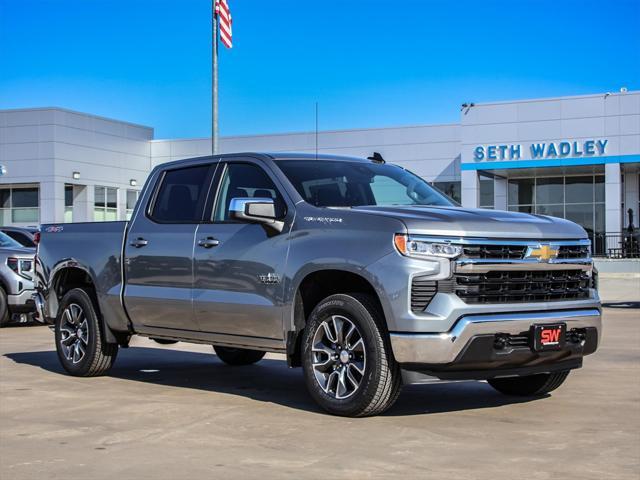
x: 139, y: 242
x: 209, y: 242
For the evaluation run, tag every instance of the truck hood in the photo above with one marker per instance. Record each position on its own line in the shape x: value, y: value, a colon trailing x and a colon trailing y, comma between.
x: 17, y: 252
x: 478, y: 222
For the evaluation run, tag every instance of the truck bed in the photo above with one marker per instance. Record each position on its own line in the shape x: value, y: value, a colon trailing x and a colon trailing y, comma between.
x: 96, y: 248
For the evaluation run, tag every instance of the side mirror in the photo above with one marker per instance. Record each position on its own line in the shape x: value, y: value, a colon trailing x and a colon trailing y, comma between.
x: 256, y: 210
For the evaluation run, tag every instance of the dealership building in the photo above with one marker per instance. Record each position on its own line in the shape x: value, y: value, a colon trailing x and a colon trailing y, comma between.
x: 572, y: 157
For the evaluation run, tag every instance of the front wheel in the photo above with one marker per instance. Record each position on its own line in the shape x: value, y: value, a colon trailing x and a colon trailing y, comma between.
x: 529, y: 385
x: 81, y: 348
x: 347, y: 361
x: 238, y: 356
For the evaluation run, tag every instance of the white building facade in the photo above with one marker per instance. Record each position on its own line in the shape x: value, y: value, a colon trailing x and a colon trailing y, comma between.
x: 572, y: 157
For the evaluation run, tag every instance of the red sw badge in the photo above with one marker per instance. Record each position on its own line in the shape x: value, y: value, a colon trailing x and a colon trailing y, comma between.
x: 548, y: 337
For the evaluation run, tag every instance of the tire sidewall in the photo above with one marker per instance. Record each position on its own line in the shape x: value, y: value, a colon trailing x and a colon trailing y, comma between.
x: 81, y: 298
x: 5, y: 316
x: 357, y: 313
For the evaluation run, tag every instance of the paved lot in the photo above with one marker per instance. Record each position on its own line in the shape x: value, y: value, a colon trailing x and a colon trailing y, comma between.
x: 177, y: 412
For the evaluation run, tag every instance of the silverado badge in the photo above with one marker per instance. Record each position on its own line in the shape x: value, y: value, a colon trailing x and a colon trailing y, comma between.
x: 269, y: 278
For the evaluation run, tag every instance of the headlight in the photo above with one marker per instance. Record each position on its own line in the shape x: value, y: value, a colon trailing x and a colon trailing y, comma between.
x: 21, y: 267
x: 412, y: 247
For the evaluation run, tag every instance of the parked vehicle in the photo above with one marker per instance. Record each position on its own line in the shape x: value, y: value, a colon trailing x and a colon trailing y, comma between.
x: 355, y: 269
x: 16, y: 279
x: 25, y: 236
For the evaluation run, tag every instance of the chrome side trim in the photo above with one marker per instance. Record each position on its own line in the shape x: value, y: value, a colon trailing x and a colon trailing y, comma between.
x: 442, y: 348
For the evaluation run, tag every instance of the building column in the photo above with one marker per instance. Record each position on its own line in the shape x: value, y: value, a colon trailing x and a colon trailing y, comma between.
x: 51, y: 201
x: 612, y: 198
x: 631, y: 198
x: 470, y: 188
x: 122, y: 203
x: 83, y: 203
x: 500, y: 186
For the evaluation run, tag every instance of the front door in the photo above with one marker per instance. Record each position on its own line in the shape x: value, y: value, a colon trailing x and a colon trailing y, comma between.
x: 239, y: 266
x: 159, y: 250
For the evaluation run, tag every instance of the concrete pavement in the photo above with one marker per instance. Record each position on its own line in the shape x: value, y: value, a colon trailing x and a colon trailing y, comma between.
x: 177, y: 412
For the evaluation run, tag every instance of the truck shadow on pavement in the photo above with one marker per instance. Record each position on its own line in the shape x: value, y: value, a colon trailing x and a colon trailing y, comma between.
x: 268, y: 381
x: 621, y: 304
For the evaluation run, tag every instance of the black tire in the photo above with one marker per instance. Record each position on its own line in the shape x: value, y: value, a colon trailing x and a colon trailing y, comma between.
x: 5, y: 316
x: 164, y: 341
x: 238, y: 356
x: 380, y: 380
x: 99, y: 355
x: 530, y: 385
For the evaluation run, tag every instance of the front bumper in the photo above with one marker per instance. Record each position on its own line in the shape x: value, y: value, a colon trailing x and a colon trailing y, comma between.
x: 22, y: 302
x: 468, y: 346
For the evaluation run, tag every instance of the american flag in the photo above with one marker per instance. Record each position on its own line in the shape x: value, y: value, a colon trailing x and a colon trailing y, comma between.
x: 221, y: 9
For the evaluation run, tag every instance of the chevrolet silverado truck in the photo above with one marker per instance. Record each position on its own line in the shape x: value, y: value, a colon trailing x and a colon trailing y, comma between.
x: 357, y: 270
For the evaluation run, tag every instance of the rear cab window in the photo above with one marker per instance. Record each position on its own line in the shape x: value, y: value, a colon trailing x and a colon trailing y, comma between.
x: 182, y: 194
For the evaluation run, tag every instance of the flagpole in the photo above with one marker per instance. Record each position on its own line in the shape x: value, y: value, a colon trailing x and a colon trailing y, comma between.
x: 214, y: 86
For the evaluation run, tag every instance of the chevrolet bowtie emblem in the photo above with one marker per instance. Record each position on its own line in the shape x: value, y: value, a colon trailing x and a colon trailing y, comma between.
x: 543, y: 253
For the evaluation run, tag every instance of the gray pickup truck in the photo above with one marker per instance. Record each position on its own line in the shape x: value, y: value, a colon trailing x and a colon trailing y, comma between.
x: 357, y: 270
x: 16, y: 280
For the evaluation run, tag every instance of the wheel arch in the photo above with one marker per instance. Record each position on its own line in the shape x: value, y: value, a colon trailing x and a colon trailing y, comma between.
x: 65, y: 278
x: 311, y: 288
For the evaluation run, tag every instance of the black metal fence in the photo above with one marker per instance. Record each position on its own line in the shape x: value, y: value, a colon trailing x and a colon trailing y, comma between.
x: 618, y: 245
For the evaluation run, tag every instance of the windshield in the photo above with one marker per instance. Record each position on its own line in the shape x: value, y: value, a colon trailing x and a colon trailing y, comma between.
x: 7, y: 242
x: 351, y: 184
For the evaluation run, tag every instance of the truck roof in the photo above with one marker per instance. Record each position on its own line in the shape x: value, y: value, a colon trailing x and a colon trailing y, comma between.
x: 268, y: 155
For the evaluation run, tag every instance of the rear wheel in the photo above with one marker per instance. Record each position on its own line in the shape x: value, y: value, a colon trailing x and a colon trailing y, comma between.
x: 238, y: 356
x: 81, y: 347
x: 529, y: 385
x: 5, y: 317
x: 347, y: 361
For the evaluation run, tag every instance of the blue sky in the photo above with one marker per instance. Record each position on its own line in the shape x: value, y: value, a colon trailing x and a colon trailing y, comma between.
x: 367, y: 63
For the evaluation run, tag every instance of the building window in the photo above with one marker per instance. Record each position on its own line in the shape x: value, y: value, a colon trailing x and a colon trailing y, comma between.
x: 68, y: 203
x: 486, y: 192
x: 132, y: 198
x: 450, y: 189
x: 578, y: 198
x: 19, y: 204
x: 105, y: 204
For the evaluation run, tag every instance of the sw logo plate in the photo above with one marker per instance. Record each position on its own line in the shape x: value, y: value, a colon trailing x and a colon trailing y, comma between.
x: 548, y: 337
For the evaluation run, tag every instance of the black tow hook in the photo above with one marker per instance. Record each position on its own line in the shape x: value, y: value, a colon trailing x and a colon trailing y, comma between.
x: 500, y: 342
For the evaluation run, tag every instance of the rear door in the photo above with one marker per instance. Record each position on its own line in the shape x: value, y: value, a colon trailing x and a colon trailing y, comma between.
x: 159, y: 249
x: 238, y: 277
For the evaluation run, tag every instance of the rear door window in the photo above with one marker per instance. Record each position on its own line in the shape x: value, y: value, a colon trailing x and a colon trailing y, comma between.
x: 182, y: 195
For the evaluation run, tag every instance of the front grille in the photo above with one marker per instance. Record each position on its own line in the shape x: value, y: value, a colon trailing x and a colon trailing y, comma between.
x: 495, y: 252
x: 507, y: 251
x: 422, y: 291
x: 522, y: 286
x: 573, y: 251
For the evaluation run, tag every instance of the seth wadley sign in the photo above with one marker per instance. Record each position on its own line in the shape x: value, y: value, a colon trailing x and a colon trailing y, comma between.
x: 541, y: 150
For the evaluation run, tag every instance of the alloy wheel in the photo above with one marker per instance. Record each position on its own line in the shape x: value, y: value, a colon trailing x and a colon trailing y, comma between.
x: 74, y: 333
x: 339, y: 357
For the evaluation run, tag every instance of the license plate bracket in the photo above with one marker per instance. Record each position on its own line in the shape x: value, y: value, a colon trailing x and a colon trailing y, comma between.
x: 548, y: 337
